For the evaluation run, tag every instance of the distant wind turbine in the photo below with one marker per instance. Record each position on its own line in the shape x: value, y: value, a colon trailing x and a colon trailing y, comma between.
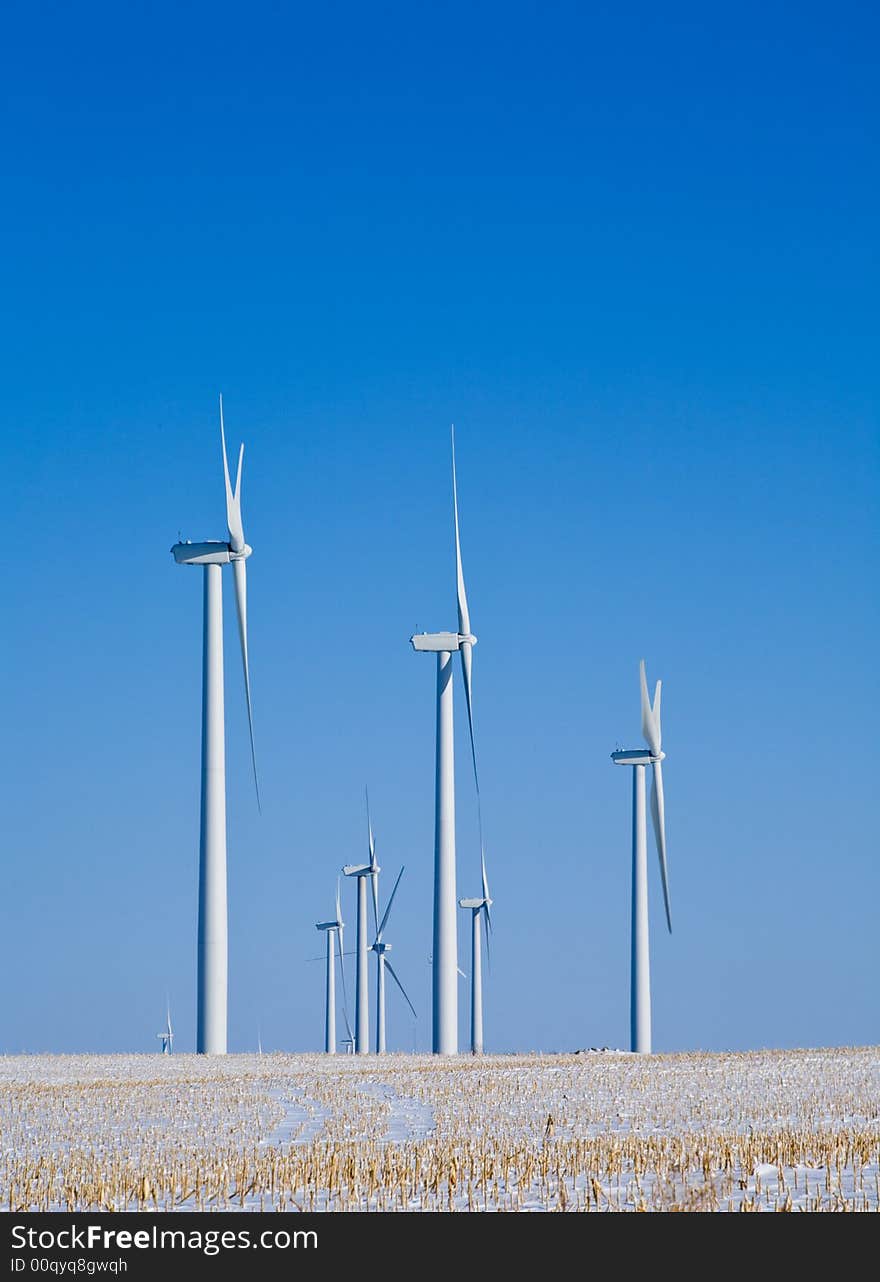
x: 167, y: 1035
x: 380, y: 948
x: 212, y: 938
x: 333, y: 930
x: 478, y: 908
x: 370, y: 869
x: 443, y: 644
x: 639, y: 758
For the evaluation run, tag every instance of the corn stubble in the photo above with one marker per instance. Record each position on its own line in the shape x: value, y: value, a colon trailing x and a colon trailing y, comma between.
x: 768, y: 1131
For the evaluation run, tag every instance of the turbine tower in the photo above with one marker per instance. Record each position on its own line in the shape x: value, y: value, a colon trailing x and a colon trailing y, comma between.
x: 333, y: 931
x: 380, y: 948
x: 444, y: 644
x: 478, y: 909
x: 167, y: 1036
x: 362, y: 997
x: 212, y: 937
x: 639, y: 758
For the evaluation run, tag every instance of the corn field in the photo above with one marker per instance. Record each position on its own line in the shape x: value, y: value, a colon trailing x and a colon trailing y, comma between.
x: 764, y: 1131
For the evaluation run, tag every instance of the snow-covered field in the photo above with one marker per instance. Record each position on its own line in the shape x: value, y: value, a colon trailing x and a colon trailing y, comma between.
x: 771, y: 1130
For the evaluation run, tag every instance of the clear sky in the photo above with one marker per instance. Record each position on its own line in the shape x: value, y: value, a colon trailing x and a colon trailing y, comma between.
x: 631, y: 251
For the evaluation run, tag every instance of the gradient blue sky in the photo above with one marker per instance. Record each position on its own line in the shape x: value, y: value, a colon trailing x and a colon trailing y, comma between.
x: 631, y: 251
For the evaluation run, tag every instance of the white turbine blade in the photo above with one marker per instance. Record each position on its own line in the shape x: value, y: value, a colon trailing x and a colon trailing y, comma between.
x: 370, y: 842
x: 391, y: 972
x: 233, y: 497
x: 485, y: 909
x: 338, y: 906
x: 374, y: 886
x: 658, y: 813
x: 466, y: 650
x: 461, y: 972
x: 388, y: 908
x: 464, y: 621
x: 239, y: 571
x: 342, y: 973
x: 486, y: 896
x: 374, y: 876
x: 650, y: 722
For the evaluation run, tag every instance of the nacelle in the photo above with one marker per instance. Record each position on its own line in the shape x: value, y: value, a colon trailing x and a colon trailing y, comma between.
x: 437, y: 642
x: 212, y: 553
x: 636, y: 757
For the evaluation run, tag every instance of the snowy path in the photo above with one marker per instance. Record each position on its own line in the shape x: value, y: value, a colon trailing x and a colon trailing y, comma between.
x: 302, y: 1122
x: 409, y: 1119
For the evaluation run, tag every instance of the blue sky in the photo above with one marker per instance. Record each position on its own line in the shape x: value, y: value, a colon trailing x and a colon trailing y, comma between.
x: 632, y: 254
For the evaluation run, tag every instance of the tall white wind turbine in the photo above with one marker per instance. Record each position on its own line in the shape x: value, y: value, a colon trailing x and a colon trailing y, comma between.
x: 166, y: 1037
x: 380, y: 948
x: 445, y: 952
x: 639, y: 758
x: 333, y: 931
x: 361, y: 872
x: 479, y: 908
x: 212, y: 937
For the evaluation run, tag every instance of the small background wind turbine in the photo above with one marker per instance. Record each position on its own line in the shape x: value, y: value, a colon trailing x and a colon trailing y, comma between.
x: 380, y: 948
x: 360, y: 872
x: 213, y: 926
x: 639, y: 758
x: 445, y: 949
x: 479, y: 908
x: 167, y: 1036
x: 333, y: 930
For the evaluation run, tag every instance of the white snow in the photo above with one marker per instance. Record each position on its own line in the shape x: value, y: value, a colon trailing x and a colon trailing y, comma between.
x: 772, y: 1130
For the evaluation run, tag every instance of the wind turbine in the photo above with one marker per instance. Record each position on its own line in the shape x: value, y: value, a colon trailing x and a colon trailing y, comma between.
x: 478, y: 908
x: 212, y: 937
x: 362, y: 997
x: 380, y: 948
x: 333, y: 931
x: 167, y: 1036
x: 639, y: 758
x: 444, y: 644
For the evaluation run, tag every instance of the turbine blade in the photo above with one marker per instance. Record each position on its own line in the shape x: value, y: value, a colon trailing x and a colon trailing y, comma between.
x: 658, y: 813
x: 388, y: 908
x: 233, y: 498
x: 342, y: 973
x: 370, y: 842
x: 338, y: 906
x: 239, y: 571
x: 466, y: 651
x: 464, y: 622
x: 486, y: 896
x: 485, y: 909
x: 374, y: 886
x: 393, y: 975
x: 650, y: 723
x: 374, y: 876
